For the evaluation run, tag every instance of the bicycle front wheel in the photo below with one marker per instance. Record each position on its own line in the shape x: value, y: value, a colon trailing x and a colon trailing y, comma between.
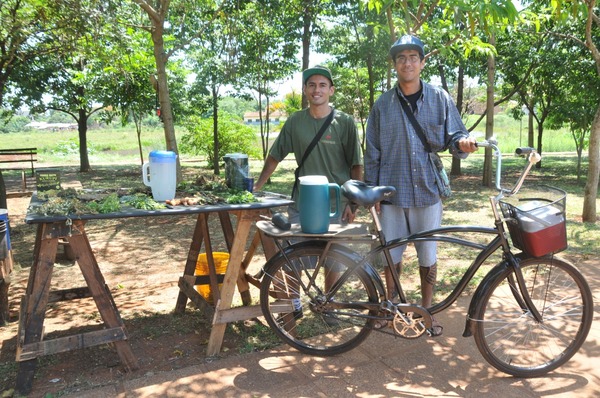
x: 296, y: 304
x: 508, y: 336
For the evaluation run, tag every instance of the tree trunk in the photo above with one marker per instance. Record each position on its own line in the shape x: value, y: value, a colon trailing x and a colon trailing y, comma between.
x: 268, y: 121
x: 84, y: 160
x: 489, y: 124
x: 263, y: 136
x: 370, y: 69
x: 390, y: 20
x: 306, y: 37
x: 590, y: 194
x: 215, y: 96
x: 164, y: 99
x: 530, y: 128
x: 460, y: 87
x: 137, y: 117
x: 540, y: 128
x: 3, y: 201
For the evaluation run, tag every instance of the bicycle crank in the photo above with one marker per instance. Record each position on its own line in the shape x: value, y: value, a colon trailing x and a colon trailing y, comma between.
x: 411, y: 321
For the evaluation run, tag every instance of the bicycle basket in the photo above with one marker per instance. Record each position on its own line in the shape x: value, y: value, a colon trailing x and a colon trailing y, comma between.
x: 536, y: 220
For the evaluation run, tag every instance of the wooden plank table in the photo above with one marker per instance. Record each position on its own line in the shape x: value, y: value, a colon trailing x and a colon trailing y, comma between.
x: 51, y: 229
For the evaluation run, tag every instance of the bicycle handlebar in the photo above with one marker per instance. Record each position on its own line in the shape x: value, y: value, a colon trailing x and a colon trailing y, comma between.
x: 532, y: 158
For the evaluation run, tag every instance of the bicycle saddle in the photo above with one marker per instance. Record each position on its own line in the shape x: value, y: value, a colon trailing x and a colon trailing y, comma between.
x: 362, y: 194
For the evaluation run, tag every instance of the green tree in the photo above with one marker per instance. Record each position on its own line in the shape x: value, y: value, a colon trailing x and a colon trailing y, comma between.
x: 212, y: 61
x: 585, y: 16
x: 172, y: 26
x: 129, y: 87
x: 30, y: 30
x: 580, y: 88
x: 356, y: 36
x: 73, y: 79
x: 542, y: 92
x: 359, y: 44
x: 236, y: 106
x: 234, y: 136
x: 305, y: 19
x: 267, y: 51
x: 292, y: 102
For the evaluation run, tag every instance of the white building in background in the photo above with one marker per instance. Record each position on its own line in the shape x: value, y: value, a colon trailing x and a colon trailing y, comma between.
x: 253, y: 118
x: 51, y: 126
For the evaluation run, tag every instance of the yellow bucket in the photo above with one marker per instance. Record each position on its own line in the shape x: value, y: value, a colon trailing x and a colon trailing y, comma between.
x: 221, y: 261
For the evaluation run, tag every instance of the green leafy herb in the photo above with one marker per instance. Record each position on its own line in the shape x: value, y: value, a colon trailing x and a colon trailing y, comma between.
x: 241, y: 197
x: 109, y: 204
x: 142, y: 202
x: 61, y: 207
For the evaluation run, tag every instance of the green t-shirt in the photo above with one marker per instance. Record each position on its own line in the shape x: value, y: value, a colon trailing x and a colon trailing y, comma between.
x: 335, y: 153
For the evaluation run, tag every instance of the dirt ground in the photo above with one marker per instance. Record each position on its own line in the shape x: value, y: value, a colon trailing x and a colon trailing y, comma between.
x: 141, y: 260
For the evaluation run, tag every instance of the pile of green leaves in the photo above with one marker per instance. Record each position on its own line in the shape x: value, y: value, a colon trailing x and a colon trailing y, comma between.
x: 57, y: 206
x: 142, y: 202
x: 237, y: 197
x: 109, y: 204
x: 65, y: 203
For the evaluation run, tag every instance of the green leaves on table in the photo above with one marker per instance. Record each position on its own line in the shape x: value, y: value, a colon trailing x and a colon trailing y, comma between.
x: 241, y: 197
x: 142, y: 202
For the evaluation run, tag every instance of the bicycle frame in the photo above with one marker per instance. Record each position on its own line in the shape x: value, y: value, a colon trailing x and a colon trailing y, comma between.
x: 438, y: 234
x: 499, y: 241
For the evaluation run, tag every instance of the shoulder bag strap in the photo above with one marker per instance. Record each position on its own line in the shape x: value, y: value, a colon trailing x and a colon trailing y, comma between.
x: 311, y: 146
x: 413, y: 120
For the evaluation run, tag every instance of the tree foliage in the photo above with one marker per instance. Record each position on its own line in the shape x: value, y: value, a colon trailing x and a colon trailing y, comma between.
x: 265, y: 53
x: 577, y: 22
x: 234, y: 137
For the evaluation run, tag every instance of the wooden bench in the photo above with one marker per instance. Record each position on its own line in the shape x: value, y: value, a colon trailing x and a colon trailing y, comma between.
x: 19, y: 155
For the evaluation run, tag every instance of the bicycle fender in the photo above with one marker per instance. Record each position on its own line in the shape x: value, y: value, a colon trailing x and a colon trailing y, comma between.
x: 494, y: 273
x: 374, y: 275
x: 367, y: 267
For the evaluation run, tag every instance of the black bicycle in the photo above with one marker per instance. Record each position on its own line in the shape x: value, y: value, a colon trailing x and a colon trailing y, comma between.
x: 529, y: 314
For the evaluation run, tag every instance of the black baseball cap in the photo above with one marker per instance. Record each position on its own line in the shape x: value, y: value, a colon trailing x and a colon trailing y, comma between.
x: 407, y: 42
x: 317, y: 70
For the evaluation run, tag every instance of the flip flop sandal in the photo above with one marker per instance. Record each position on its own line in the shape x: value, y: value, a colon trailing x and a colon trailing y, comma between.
x: 436, y: 329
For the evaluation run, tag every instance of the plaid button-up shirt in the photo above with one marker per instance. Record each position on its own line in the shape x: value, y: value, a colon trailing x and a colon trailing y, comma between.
x: 396, y: 156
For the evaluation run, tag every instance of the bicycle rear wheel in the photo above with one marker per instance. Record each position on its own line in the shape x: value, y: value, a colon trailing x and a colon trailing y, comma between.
x: 508, y: 336
x: 295, y: 304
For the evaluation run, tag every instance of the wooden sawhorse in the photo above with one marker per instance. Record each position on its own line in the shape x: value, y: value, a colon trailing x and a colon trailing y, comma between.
x: 30, y: 343
x: 235, y: 275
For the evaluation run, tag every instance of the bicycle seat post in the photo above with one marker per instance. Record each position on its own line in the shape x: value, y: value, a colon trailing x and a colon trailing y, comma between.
x: 378, y: 227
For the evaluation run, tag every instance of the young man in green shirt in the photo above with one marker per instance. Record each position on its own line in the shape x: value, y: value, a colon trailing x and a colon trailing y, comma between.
x: 337, y: 155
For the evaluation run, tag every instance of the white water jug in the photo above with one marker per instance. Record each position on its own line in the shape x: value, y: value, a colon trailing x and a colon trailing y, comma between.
x: 160, y: 174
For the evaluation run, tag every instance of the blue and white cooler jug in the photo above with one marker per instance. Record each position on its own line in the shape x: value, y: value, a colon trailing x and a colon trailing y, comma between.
x: 160, y: 174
